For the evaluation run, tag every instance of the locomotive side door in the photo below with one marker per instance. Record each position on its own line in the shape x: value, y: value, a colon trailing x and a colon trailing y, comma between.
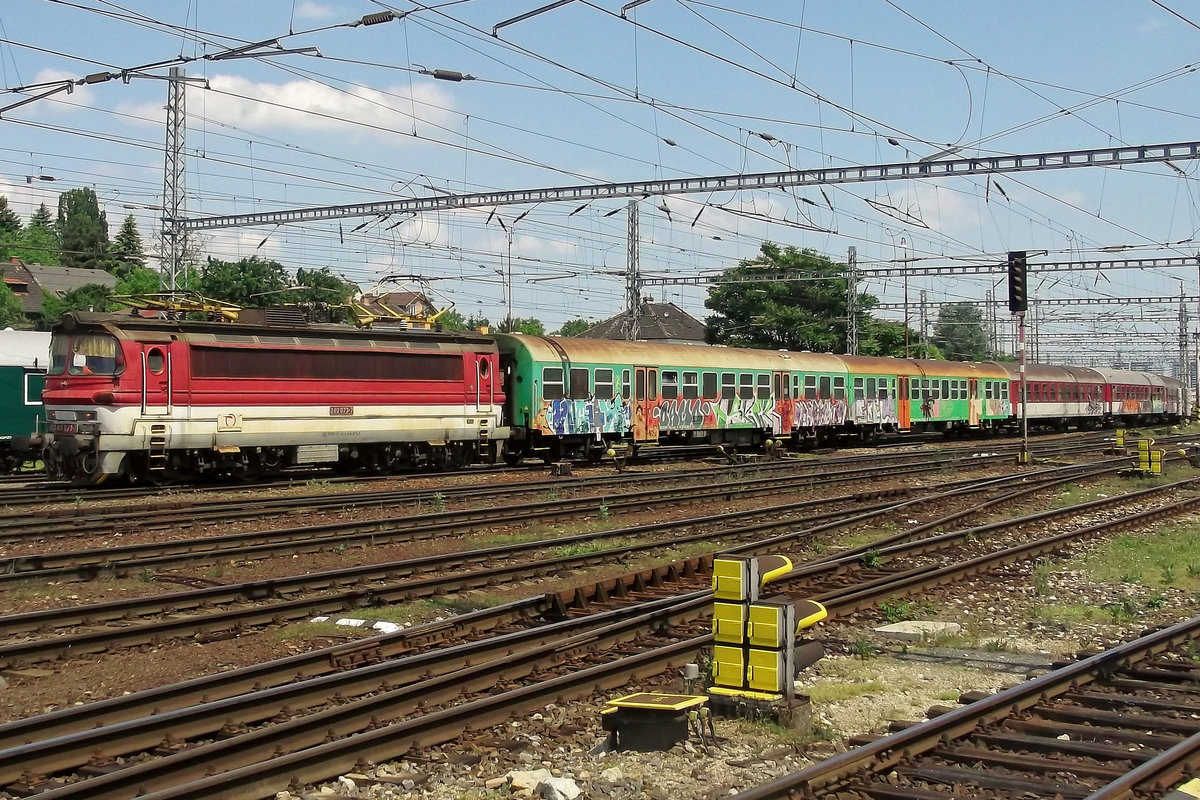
x: 903, y: 406
x: 157, y: 388
x: 485, y: 385
x: 645, y: 398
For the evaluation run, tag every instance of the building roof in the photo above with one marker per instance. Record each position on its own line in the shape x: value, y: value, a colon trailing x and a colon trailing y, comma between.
x: 29, y: 282
x: 659, y: 322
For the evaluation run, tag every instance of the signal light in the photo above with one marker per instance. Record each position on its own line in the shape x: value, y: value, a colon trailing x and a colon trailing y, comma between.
x: 1018, y: 300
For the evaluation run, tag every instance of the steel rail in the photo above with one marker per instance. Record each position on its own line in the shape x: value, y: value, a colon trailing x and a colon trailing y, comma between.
x: 89, y: 564
x: 254, y: 779
x: 886, y: 752
x: 124, y: 609
x: 502, y: 653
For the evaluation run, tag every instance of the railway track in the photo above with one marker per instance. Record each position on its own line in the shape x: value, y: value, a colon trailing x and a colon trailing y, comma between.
x: 1120, y: 724
x: 258, y: 761
x: 208, y: 611
x: 59, y: 493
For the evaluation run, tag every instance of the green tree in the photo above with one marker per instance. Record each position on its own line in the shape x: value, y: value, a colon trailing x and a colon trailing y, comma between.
x: 453, y: 320
x: 527, y: 325
x: 250, y: 282
x: 42, y: 219
x: 573, y: 327
x: 38, y: 242
x: 11, y: 313
x: 127, y: 250
x: 959, y: 334
x: 10, y: 223
x: 83, y: 231
x: 90, y: 297
x: 807, y: 313
x: 139, y: 281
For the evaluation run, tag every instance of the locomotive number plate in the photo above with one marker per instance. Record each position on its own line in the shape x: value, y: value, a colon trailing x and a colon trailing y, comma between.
x: 341, y: 411
x: 64, y: 427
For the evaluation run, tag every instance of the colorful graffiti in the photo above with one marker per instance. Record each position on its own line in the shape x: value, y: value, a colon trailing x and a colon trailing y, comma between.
x: 874, y: 412
x: 812, y: 413
x: 685, y: 414
x: 997, y: 407
x: 565, y: 416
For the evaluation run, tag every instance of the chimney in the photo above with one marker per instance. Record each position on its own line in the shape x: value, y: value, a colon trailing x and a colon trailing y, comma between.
x: 14, y: 260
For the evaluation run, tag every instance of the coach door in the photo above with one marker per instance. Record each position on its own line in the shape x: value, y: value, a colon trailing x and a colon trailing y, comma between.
x: 903, y: 406
x: 973, y: 402
x: 645, y: 398
x: 156, y: 381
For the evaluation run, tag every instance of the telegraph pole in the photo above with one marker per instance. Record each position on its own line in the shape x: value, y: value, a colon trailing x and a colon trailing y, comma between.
x: 852, y: 301
x: 633, y: 277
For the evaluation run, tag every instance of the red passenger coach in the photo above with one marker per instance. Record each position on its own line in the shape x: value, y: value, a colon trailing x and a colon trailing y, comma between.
x: 163, y: 400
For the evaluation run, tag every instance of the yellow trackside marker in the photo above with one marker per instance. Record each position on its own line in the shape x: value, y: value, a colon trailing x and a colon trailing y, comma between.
x: 809, y: 613
x: 1187, y: 791
x: 773, y: 568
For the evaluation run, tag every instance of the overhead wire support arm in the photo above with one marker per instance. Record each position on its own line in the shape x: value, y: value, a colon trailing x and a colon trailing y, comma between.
x: 1105, y: 156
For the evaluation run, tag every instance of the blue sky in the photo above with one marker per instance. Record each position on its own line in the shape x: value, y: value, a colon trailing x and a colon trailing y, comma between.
x: 581, y: 95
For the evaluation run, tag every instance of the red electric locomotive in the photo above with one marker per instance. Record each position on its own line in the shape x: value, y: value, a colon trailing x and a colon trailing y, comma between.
x: 153, y: 399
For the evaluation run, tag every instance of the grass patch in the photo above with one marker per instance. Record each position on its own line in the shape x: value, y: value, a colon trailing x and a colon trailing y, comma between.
x: 768, y: 732
x: 1166, y: 557
x: 587, y: 548
x: 313, y: 630
x: 832, y: 692
x: 413, y: 613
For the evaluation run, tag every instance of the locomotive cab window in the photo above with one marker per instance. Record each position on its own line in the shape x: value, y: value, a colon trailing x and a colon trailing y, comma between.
x: 604, y: 384
x: 95, y: 354
x: 58, y: 354
x: 155, y: 361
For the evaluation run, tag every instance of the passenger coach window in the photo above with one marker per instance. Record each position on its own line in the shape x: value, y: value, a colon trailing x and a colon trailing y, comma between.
x: 710, y: 385
x: 691, y: 386
x: 746, y: 386
x: 604, y: 384
x: 859, y: 392
x: 824, y: 393
x: 870, y: 387
x: 579, y: 384
x: 625, y: 384
x: 552, y: 383
x: 95, y: 354
x: 764, y: 386
x: 884, y: 388
x: 810, y: 387
x: 839, y: 388
x: 670, y: 384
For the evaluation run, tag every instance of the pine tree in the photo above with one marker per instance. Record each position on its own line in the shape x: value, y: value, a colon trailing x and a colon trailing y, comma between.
x: 10, y: 223
x: 83, y: 230
x: 42, y: 219
x: 127, y: 250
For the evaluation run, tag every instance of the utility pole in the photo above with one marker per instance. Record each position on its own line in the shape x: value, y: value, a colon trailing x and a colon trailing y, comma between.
x: 989, y: 321
x: 924, y: 324
x: 852, y: 301
x: 633, y: 278
x: 1018, y: 303
x: 174, y: 237
x: 1183, y: 337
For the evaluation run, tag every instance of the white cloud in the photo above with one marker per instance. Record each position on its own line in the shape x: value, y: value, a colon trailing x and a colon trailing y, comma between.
x: 77, y: 97
x: 310, y: 10
x: 24, y: 198
x: 314, y: 106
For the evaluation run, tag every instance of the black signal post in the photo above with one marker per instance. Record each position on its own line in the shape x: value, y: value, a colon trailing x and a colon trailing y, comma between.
x: 1018, y: 304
